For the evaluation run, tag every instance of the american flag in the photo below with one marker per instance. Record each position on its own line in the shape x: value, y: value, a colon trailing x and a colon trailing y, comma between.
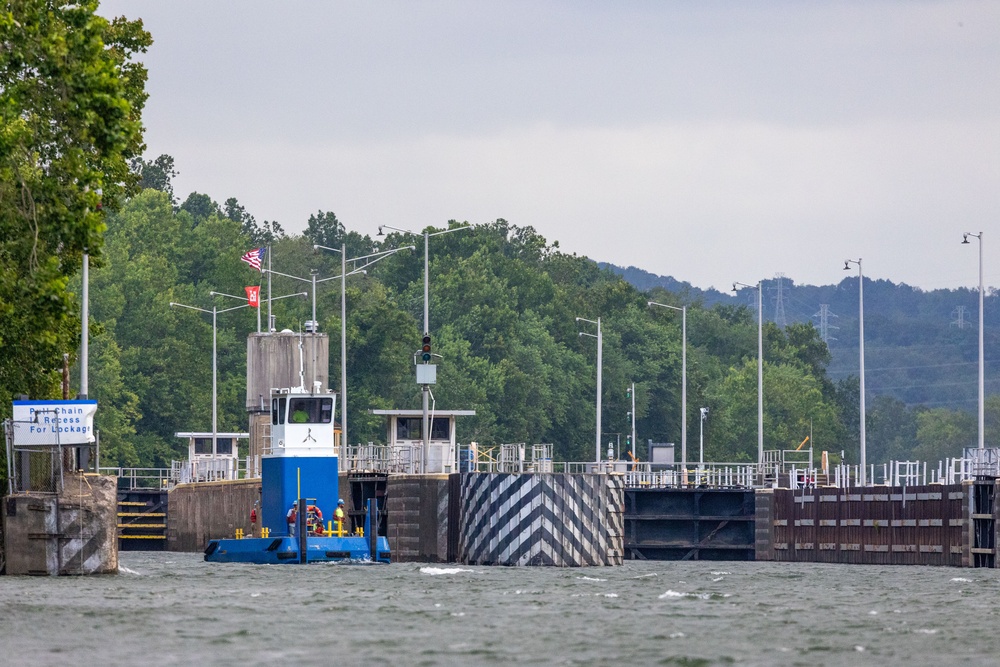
x: 254, y: 257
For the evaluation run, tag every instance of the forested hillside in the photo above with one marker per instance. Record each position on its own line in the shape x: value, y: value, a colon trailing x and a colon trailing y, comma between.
x: 921, y: 347
x: 503, y: 303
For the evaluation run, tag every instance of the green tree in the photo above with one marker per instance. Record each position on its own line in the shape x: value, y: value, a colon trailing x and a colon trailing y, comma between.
x: 200, y: 207
x: 891, y: 430
x: 259, y: 234
x: 70, y: 103
x: 157, y: 174
x: 943, y: 433
x: 324, y: 229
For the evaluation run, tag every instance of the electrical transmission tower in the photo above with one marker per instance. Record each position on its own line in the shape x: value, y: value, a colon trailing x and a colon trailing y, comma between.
x: 779, y: 301
x: 824, y: 316
x: 959, y: 315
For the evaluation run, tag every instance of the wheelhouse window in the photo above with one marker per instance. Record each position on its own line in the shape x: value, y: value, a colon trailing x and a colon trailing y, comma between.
x: 278, y: 411
x: 310, y: 410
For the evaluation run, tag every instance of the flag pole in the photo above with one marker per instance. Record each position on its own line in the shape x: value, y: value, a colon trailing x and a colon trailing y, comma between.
x: 268, y: 290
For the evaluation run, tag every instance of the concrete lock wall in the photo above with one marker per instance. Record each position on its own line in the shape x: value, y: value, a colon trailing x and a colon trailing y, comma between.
x: 73, y: 532
x: 197, y: 513
x: 541, y: 519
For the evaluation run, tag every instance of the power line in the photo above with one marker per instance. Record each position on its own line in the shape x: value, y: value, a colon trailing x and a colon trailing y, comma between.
x: 903, y: 368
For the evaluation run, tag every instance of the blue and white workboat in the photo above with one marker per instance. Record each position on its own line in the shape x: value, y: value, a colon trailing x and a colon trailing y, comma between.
x: 299, y: 487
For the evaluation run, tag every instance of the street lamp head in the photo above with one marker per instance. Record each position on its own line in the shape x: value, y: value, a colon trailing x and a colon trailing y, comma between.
x: 380, y: 232
x: 847, y: 265
x: 965, y: 238
x: 578, y: 319
x: 734, y: 288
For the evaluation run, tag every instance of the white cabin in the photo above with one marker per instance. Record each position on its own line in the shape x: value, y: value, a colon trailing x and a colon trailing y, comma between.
x: 302, y: 424
x: 405, y: 435
x: 208, y: 463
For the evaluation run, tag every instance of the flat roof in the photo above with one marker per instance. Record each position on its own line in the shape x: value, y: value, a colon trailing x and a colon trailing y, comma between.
x: 420, y: 413
x: 198, y: 434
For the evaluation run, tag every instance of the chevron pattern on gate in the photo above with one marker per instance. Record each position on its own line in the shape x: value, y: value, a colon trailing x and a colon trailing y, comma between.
x: 556, y: 519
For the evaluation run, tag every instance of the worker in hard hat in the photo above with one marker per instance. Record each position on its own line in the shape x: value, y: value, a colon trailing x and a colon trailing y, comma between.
x: 340, y: 516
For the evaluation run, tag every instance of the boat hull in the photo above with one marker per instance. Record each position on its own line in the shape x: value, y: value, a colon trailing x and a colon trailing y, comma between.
x: 285, y: 550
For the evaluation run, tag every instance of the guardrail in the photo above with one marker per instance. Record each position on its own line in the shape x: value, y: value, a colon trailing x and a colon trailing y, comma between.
x: 635, y: 474
x: 140, y: 478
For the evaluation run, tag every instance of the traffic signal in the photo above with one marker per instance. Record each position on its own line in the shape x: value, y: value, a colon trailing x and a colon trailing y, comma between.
x: 425, y: 351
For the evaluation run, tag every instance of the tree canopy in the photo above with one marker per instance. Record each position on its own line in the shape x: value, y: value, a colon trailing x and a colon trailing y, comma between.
x: 70, y: 105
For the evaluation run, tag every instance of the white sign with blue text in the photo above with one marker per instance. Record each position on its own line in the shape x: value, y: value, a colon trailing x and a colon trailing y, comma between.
x: 54, y: 422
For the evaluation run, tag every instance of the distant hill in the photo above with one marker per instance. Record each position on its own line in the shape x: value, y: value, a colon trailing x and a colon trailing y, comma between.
x: 920, y: 346
x: 645, y: 281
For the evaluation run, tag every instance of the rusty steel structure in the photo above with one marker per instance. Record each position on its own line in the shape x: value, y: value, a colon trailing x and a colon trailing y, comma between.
x: 920, y: 525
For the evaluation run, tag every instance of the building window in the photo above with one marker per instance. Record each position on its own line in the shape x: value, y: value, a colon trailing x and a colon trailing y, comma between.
x: 410, y: 428
x: 440, y: 429
x: 223, y: 446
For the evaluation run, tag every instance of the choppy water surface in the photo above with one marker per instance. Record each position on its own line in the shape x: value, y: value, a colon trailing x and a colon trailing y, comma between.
x: 175, y: 609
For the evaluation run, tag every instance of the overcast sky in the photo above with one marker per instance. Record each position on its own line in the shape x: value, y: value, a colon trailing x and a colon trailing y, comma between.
x: 710, y: 141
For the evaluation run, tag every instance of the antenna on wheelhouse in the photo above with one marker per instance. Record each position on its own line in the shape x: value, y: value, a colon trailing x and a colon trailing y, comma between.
x: 302, y: 370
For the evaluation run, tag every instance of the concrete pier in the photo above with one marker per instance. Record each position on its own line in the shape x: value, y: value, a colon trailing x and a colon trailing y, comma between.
x: 72, y: 532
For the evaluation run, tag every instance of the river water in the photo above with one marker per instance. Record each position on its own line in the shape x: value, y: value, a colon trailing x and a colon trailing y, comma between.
x: 175, y: 609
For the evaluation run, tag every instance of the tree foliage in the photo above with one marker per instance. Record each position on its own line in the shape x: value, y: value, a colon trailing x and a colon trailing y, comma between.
x: 70, y: 104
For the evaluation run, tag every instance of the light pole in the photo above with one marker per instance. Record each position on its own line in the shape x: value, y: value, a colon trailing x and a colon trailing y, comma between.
x: 85, y: 331
x: 215, y: 390
x: 315, y: 325
x: 634, y: 445
x: 425, y: 389
x: 701, y: 437
x: 343, y: 318
x: 982, y: 396
x: 760, y: 368
x: 684, y: 435
x: 863, y: 476
x: 600, y: 364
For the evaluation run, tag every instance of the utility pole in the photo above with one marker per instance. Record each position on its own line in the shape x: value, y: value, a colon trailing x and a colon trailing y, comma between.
x: 633, y: 445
